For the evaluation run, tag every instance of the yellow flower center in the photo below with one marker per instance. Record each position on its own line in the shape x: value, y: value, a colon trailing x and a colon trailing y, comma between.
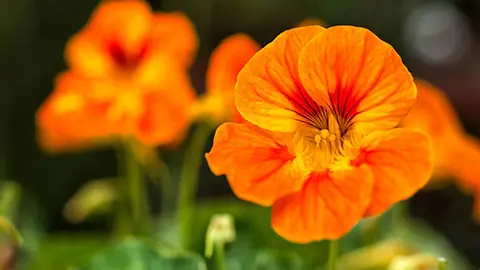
x: 322, y: 146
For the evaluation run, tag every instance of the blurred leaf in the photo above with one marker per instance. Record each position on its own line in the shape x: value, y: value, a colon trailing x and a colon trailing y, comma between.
x: 7, y: 227
x: 10, y: 193
x: 58, y: 252
x: 374, y: 256
x: 94, y: 197
x: 423, y: 238
x: 244, y: 255
x: 416, y: 261
x: 269, y: 260
x: 134, y: 254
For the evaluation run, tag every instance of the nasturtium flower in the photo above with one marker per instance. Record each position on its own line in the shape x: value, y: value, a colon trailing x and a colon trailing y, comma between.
x: 320, y: 142
x: 217, y: 104
x: 456, y: 153
x: 127, y: 77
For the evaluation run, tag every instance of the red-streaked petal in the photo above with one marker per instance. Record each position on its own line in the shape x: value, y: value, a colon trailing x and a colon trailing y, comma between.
x: 401, y: 164
x: 362, y: 78
x: 328, y: 206
x: 268, y: 91
x: 258, y: 167
x: 128, y: 22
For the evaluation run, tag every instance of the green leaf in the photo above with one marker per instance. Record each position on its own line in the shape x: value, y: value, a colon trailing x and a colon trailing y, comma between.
x: 135, y: 254
x: 274, y: 260
x: 7, y: 228
x: 58, y: 252
x: 423, y: 238
x: 10, y: 194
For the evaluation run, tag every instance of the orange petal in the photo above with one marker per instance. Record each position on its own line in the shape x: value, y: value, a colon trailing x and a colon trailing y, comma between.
x: 362, y: 77
x: 258, y: 167
x: 86, y: 53
x: 462, y: 156
x: 175, y: 33
x: 225, y: 63
x: 166, y: 116
x: 268, y: 91
x: 432, y: 113
x: 127, y: 23
x: 401, y: 163
x: 68, y: 120
x: 227, y: 60
x: 329, y: 205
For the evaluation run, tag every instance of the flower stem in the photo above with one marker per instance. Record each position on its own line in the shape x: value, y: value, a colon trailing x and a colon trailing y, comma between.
x: 162, y: 176
x: 442, y: 264
x: 220, y: 256
x: 332, y: 254
x: 189, y: 181
x: 133, y: 215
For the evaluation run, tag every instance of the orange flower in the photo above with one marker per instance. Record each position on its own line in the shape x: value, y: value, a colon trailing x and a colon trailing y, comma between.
x: 456, y: 154
x: 320, y: 142
x: 227, y: 60
x: 127, y: 78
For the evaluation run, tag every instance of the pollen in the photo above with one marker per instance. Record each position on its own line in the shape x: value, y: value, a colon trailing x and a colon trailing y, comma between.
x: 324, y: 136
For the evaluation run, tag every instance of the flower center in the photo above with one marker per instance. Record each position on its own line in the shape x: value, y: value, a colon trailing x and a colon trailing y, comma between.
x: 318, y: 146
x: 123, y: 58
x: 324, y: 137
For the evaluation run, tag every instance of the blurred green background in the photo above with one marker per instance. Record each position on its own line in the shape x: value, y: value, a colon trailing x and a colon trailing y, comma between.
x: 438, y: 40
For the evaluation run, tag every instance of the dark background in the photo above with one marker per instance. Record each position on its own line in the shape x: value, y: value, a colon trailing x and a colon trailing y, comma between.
x: 438, y: 40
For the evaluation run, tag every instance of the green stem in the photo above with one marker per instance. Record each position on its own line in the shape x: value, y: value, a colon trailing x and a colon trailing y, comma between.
x: 442, y: 264
x: 161, y: 172
x: 189, y: 181
x: 220, y: 256
x: 332, y: 254
x: 133, y: 214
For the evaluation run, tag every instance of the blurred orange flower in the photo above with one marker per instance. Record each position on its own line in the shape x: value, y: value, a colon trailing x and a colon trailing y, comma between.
x: 456, y: 154
x: 218, y: 105
x: 127, y: 77
x: 320, y: 142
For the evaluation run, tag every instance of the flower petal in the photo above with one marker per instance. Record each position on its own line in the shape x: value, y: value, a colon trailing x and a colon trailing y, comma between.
x: 227, y: 60
x: 328, y: 206
x: 362, y: 78
x: 166, y: 116
x: 401, y: 164
x: 175, y: 33
x: 122, y: 24
x: 225, y: 63
x: 461, y: 156
x: 69, y: 120
x: 258, y: 167
x: 432, y: 113
x: 86, y: 54
x: 128, y: 22
x: 268, y: 91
